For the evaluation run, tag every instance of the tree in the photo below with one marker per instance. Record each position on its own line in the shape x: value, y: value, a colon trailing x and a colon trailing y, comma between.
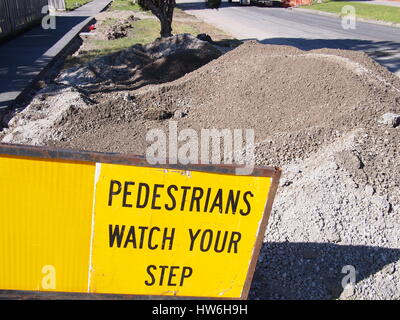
x: 164, y: 11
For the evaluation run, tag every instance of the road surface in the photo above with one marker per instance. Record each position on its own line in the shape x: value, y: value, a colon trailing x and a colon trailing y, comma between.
x: 301, y: 29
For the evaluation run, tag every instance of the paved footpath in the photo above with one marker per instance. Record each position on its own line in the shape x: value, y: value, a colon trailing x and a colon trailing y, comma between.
x: 23, y: 58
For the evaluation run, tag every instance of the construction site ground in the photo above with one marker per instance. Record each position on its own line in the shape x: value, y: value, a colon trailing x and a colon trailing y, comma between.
x: 327, y: 117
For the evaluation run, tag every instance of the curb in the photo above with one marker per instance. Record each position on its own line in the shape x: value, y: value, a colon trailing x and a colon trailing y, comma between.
x: 337, y: 15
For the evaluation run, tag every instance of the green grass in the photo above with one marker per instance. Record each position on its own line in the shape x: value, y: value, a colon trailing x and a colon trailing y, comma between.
x: 144, y: 32
x: 73, y: 4
x: 109, y: 21
x: 124, y: 5
x: 363, y: 10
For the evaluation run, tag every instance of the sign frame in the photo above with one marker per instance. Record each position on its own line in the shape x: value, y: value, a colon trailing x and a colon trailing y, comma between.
x: 140, y: 161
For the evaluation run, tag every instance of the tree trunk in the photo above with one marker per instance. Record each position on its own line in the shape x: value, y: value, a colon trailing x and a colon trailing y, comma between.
x: 166, y: 28
x: 164, y: 11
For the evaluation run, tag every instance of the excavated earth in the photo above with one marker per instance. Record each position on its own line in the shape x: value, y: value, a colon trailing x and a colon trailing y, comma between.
x: 317, y: 114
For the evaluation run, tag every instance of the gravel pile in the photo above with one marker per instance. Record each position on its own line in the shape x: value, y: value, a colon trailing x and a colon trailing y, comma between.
x: 329, y: 118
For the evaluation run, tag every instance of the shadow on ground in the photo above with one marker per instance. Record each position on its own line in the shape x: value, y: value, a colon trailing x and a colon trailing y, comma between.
x: 201, y: 5
x: 313, y: 270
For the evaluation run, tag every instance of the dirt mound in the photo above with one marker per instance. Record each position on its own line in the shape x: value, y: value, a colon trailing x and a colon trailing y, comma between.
x: 317, y: 114
x: 120, y: 28
x: 296, y: 101
x: 141, y: 65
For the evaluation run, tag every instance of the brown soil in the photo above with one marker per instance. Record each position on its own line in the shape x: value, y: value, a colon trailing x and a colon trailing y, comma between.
x: 295, y: 101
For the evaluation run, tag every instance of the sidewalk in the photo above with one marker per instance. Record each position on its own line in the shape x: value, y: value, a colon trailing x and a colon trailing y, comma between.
x: 23, y: 58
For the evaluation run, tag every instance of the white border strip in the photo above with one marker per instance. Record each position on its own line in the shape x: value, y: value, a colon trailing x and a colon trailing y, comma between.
x: 96, y: 179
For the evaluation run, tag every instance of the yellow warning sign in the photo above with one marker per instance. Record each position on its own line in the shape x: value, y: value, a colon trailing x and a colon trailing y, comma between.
x: 95, y: 227
x: 174, y: 232
x: 45, y: 224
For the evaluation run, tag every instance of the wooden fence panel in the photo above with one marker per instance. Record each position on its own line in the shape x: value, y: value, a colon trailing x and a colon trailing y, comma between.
x: 17, y: 14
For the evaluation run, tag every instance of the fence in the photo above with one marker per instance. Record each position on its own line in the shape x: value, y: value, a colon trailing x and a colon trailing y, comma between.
x: 18, y: 14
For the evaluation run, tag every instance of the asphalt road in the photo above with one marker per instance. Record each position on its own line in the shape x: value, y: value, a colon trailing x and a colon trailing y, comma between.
x: 301, y: 29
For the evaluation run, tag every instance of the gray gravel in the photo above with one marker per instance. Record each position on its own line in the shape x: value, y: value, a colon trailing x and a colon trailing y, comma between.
x: 323, y: 220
